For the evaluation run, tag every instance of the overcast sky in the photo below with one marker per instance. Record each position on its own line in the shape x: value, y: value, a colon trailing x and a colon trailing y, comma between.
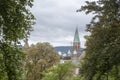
x: 56, y: 21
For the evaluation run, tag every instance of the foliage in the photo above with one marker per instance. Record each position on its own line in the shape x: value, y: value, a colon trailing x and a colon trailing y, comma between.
x: 15, y: 24
x: 11, y: 62
x: 60, y: 72
x: 15, y: 19
x: 39, y: 57
x: 102, y: 53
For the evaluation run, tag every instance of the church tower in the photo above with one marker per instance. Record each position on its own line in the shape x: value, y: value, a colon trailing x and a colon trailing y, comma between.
x: 76, y: 42
x: 26, y: 45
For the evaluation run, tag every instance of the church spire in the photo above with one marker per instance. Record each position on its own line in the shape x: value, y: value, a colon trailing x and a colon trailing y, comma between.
x: 76, y: 41
x: 76, y: 36
x: 26, y: 45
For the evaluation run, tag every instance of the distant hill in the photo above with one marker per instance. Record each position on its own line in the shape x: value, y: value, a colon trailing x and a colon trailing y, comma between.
x: 65, y: 49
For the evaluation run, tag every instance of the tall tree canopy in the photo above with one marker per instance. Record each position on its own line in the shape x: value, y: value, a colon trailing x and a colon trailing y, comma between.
x: 62, y: 71
x: 15, y: 24
x: 15, y: 19
x: 102, y: 60
x: 39, y: 58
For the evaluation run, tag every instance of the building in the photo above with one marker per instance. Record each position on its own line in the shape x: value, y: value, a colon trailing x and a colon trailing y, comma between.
x: 26, y: 45
x: 71, y: 52
x: 76, y: 41
x: 76, y: 52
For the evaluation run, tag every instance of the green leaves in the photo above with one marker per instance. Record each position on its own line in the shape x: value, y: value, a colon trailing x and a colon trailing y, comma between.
x: 15, y: 24
x: 102, y: 50
x: 16, y: 19
x: 59, y: 72
x: 11, y: 62
x: 39, y: 58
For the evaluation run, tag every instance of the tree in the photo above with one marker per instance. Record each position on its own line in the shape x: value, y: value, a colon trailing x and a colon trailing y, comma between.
x: 15, y: 24
x: 102, y: 53
x: 60, y: 72
x: 39, y: 58
x: 11, y: 62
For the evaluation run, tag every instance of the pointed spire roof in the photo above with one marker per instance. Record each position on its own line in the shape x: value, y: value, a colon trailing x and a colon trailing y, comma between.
x: 26, y: 45
x: 76, y: 36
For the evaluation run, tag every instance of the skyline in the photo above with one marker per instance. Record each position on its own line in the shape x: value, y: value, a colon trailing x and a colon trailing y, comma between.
x: 56, y: 22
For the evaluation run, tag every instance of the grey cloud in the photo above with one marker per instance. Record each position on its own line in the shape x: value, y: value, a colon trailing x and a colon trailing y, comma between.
x: 56, y: 21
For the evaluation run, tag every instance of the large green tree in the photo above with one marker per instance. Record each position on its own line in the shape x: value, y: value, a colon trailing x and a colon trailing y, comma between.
x: 62, y: 71
x: 15, y: 24
x: 39, y: 58
x: 102, y: 48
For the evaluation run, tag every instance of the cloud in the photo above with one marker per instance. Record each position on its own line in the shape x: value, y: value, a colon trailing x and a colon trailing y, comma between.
x: 56, y: 21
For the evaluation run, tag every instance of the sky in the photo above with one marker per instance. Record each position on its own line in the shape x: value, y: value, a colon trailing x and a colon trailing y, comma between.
x: 56, y: 21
